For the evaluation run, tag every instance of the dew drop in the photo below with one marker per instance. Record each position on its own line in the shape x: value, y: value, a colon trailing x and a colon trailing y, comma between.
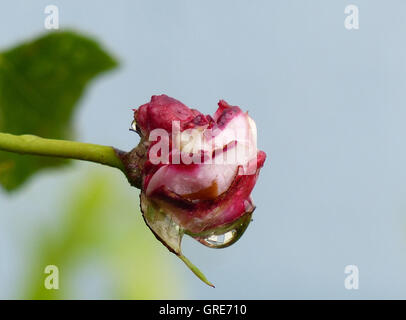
x: 226, y: 236
x: 133, y: 126
x: 219, y: 241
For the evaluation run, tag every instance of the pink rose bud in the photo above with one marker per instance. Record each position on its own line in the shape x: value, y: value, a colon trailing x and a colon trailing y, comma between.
x: 196, y: 172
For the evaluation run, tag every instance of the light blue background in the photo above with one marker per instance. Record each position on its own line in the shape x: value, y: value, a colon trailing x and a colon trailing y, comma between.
x: 330, y: 109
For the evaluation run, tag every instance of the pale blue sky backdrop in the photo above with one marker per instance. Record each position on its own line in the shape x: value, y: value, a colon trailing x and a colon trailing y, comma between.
x: 329, y: 104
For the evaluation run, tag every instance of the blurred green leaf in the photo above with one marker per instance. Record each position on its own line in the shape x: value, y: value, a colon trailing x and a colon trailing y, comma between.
x: 102, y: 225
x: 40, y: 85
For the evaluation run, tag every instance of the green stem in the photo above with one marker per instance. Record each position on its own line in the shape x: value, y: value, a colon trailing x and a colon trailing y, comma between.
x: 29, y: 144
x: 195, y: 270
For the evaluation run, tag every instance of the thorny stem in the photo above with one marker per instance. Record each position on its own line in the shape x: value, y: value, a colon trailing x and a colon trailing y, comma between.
x: 29, y: 144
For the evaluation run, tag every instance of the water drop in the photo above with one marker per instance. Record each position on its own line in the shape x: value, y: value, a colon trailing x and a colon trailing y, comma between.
x: 226, y: 236
x: 219, y: 241
x: 133, y: 126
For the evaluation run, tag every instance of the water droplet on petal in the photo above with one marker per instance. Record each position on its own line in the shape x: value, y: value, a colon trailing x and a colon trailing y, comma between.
x: 226, y: 236
x: 219, y: 241
x: 133, y: 126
